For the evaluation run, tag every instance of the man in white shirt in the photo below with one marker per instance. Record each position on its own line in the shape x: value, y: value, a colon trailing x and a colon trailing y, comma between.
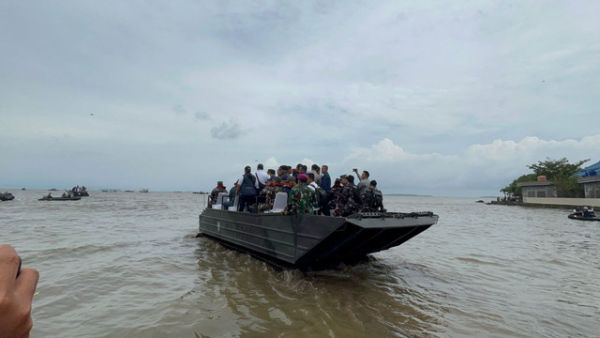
x: 261, y: 177
x: 312, y: 185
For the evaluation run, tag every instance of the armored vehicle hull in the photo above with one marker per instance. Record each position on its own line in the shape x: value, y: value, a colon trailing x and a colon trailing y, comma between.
x: 311, y: 242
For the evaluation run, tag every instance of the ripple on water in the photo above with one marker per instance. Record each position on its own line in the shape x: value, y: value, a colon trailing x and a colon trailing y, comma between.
x: 120, y: 264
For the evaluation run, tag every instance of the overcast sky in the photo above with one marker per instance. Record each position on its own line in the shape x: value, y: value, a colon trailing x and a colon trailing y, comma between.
x: 443, y: 98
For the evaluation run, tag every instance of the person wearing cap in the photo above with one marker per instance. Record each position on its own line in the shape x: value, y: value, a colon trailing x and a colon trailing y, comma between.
x: 348, y: 201
x: 216, y: 191
x: 301, y: 200
x: 247, y: 189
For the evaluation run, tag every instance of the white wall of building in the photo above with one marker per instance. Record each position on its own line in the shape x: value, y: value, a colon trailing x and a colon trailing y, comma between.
x: 594, y: 202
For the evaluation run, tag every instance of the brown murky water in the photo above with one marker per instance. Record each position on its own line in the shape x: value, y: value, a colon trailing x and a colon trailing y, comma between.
x: 127, y: 264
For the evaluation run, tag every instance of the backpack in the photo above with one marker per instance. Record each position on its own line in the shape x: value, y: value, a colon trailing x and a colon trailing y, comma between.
x: 378, y: 199
x: 260, y: 185
x: 248, y: 188
x: 322, y: 197
x: 369, y: 199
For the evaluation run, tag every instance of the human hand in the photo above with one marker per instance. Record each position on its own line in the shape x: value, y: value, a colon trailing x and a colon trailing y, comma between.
x: 16, y: 293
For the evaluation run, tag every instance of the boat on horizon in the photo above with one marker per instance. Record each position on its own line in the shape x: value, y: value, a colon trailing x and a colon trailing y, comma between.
x: 46, y: 198
x: 6, y: 196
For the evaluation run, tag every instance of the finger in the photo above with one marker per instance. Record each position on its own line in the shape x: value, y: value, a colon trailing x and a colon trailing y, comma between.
x: 26, y: 284
x: 9, y: 265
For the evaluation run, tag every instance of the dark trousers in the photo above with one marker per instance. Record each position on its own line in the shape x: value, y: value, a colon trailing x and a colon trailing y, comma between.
x: 246, y: 201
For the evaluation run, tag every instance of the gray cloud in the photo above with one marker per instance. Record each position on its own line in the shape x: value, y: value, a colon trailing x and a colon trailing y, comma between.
x: 432, y: 78
x: 226, y: 131
x: 201, y: 115
x: 179, y: 109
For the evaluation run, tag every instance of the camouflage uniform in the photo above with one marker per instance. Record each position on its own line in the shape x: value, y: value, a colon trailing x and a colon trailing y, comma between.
x: 334, y: 194
x: 215, y: 193
x: 372, y: 199
x: 270, y: 192
x: 301, y: 200
x: 348, y: 201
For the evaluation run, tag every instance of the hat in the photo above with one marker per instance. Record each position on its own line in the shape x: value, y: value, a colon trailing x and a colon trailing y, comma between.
x: 302, y: 177
x: 219, y: 182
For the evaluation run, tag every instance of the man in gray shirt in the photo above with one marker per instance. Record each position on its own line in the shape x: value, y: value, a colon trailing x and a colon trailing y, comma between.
x: 364, y: 180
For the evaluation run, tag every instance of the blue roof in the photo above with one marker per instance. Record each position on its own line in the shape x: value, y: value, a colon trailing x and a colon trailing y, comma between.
x: 592, y: 170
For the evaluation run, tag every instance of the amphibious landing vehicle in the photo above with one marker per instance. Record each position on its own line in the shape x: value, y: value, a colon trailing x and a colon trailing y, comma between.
x: 312, y: 242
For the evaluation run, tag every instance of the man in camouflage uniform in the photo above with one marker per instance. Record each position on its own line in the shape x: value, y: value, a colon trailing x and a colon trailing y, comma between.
x: 372, y: 198
x: 215, y: 192
x: 348, y: 201
x: 270, y: 191
x: 334, y: 194
x: 301, y: 199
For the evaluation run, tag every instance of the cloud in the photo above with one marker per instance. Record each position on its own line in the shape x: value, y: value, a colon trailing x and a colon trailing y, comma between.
x: 179, y: 109
x: 226, y: 131
x: 272, y: 163
x: 482, y: 167
x: 442, y: 97
x: 201, y: 115
x: 386, y: 151
x: 529, y: 147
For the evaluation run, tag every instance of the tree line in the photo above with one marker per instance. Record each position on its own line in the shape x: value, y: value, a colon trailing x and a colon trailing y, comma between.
x: 560, y: 172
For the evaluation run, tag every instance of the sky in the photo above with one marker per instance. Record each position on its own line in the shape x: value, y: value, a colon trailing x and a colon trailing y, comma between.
x: 439, y: 98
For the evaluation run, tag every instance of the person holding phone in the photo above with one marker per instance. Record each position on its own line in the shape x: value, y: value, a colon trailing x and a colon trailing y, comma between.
x: 364, y: 180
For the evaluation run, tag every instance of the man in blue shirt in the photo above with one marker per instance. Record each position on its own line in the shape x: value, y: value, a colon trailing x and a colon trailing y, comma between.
x: 325, y: 179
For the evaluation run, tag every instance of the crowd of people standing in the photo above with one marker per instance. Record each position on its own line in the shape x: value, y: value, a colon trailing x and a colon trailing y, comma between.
x: 309, y: 192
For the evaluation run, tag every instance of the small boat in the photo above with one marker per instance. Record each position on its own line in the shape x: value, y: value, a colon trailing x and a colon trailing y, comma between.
x: 312, y: 242
x: 6, y: 196
x: 579, y: 216
x: 46, y: 198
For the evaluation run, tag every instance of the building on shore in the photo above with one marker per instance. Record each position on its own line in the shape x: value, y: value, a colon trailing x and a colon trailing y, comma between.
x: 543, y: 192
x: 590, y: 178
x: 591, y: 186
